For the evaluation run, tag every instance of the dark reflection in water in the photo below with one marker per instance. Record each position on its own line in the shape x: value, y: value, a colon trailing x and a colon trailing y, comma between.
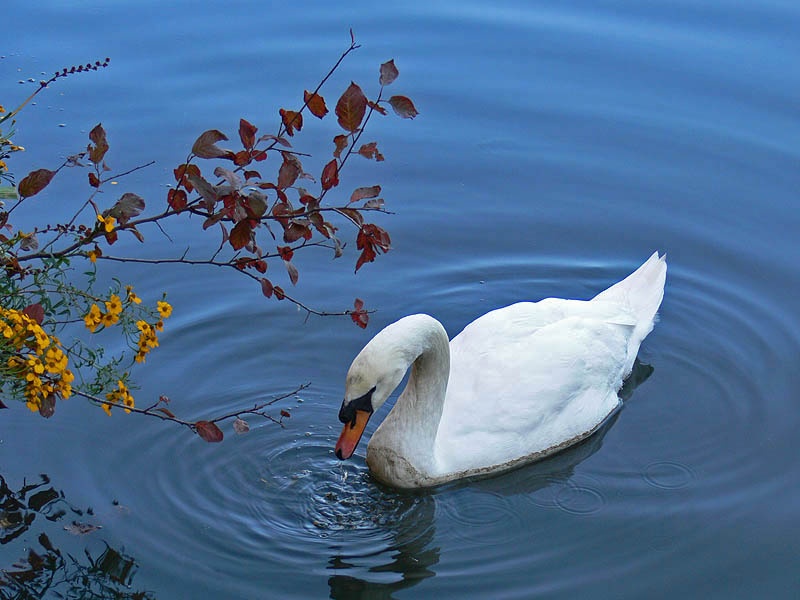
x: 45, y: 570
x: 413, y: 558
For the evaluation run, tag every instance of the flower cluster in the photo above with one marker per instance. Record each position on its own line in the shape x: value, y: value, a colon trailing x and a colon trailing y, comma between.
x: 96, y: 317
x: 36, y: 359
x: 121, y: 395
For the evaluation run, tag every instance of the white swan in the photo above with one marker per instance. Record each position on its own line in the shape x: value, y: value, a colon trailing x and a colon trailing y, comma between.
x: 518, y: 384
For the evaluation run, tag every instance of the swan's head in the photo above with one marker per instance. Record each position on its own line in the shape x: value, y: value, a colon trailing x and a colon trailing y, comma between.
x: 375, y: 373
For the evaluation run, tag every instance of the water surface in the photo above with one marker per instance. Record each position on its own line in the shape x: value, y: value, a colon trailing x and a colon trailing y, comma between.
x: 558, y: 145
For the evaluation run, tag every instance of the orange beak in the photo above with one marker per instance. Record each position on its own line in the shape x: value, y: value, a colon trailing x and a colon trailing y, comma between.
x: 351, y: 435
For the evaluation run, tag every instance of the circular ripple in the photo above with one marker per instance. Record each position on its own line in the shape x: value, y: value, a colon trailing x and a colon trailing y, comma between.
x: 668, y: 475
x: 580, y: 500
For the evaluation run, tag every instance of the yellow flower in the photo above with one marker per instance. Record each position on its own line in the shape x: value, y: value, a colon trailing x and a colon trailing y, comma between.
x: 113, y: 305
x: 108, y: 222
x: 93, y: 256
x: 164, y: 309
x: 131, y: 296
x: 93, y: 318
x: 3, y: 166
x: 108, y: 319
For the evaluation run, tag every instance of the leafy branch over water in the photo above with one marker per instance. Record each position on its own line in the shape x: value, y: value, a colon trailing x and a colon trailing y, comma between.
x: 261, y: 219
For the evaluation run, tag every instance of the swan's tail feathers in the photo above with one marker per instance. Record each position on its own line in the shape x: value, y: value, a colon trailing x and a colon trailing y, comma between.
x: 641, y: 292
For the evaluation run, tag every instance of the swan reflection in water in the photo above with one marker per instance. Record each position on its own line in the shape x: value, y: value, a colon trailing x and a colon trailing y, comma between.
x: 412, y: 554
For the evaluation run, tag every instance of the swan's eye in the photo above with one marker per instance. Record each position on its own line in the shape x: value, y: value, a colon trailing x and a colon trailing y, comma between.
x: 347, y: 414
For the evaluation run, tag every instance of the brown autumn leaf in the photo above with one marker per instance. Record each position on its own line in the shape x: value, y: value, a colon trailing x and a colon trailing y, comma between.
x: 206, y: 145
x: 315, y: 103
x: 166, y: 411
x: 341, y: 142
x: 182, y: 172
x: 353, y: 215
x: 266, y: 287
x: 370, y: 151
x: 403, y: 107
x: 330, y: 175
x: 208, y: 431
x: 374, y: 203
x: 289, y: 171
x: 128, y: 206
x: 297, y: 229
x: 285, y: 252
x: 177, y: 199
x: 240, y: 426
x: 376, y: 106
x: 388, y: 73
x: 47, y: 408
x: 292, y: 270
x: 285, y: 413
x: 279, y: 293
x: 351, y: 107
x: 281, y: 140
x: 205, y: 189
x: 241, y: 234
x: 34, y: 182
x: 248, y: 175
x: 34, y: 311
x: 247, y: 133
x: 98, y: 136
x: 364, y: 192
x: 93, y: 180
x: 291, y: 120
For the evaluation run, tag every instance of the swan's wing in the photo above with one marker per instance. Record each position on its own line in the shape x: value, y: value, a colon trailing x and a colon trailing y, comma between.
x: 520, y: 384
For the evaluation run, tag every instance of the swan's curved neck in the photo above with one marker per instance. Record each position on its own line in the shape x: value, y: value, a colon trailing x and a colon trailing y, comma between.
x: 410, y: 428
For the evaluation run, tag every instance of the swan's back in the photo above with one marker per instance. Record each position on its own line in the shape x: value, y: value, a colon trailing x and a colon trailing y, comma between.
x: 527, y: 377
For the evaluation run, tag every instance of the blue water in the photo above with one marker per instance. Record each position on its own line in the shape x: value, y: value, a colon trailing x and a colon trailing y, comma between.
x: 558, y: 144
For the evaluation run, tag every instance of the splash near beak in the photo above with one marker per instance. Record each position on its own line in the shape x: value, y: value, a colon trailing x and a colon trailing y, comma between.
x: 351, y: 435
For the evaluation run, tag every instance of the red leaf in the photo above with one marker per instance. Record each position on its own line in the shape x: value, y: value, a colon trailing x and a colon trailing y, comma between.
x: 286, y: 252
x: 292, y: 270
x: 279, y: 293
x: 365, y: 192
x: 176, y: 199
x: 359, y: 315
x: 289, y: 171
x: 205, y: 146
x: 241, y: 234
x: 182, y: 174
x: 351, y: 108
x: 370, y: 151
x: 403, y: 107
x: 388, y: 73
x: 330, y: 175
x: 291, y: 120
x: 316, y: 104
x: 35, y: 182
x: 375, y: 106
x: 341, y: 142
x: 35, y: 312
x: 208, y: 431
x: 242, y: 158
x: 166, y: 411
x: 285, y: 413
x: 266, y: 287
x: 93, y: 180
x: 367, y: 255
x: 98, y: 136
x: 252, y: 175
x: 247, y: 133
x: 295, y: 231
